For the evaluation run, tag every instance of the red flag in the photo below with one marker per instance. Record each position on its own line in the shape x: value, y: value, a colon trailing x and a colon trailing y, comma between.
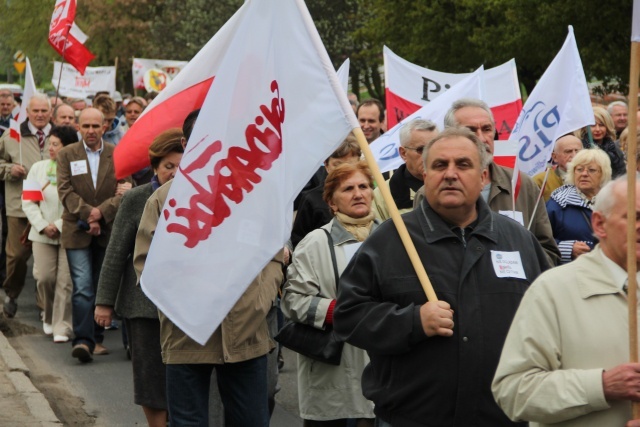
x: 66, y: 38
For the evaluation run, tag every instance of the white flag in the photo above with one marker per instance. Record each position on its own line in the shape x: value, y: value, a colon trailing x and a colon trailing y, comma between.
x: 343, y: 74
x: 559, y: 104
x: 385, y: 148
x: 635, y: 24
x: 273, y: 114
x: 29, y: 91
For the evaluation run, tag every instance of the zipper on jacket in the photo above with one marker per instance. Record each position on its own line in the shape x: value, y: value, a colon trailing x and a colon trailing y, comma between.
x: 464, y: 241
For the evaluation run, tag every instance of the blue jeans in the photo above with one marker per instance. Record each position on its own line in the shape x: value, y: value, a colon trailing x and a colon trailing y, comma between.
x: 242, y: 386
x: 85, y: 265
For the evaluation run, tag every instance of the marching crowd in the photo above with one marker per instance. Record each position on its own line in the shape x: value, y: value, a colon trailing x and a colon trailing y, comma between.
x: 530, y: 323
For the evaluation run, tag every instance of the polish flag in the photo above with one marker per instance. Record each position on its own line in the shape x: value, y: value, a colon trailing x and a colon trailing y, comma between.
x: 32, y: 191
x: 29, y: 91
x: 274, y: 112
x: 66, y: 38
x: 409, y: 87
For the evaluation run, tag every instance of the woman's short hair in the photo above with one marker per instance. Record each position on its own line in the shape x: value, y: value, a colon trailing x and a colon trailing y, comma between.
x: 601, y: 114
x: 66, y: 134
x: 587, y: 156
x: 349, y: 147
x: 138, y: 100
x: 342, y: 173
x: 169, y: 141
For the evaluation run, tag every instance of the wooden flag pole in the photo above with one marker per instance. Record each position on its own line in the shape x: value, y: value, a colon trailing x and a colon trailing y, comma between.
x: 395, y: 216
x: 631, y: 210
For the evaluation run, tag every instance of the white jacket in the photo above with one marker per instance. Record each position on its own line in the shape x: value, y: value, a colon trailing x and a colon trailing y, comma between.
x: 48, y: 211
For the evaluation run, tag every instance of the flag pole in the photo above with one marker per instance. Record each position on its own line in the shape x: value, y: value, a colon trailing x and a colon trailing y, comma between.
x: 544, y: 184
x: 341, y: 96
x: 64, y: 49
x: 631, y: 210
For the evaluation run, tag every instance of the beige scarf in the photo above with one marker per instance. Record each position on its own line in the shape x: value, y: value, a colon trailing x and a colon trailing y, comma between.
x: 359, y: 227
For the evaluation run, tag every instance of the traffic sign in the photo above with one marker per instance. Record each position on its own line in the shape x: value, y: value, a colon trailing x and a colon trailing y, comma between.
x: 20, y: 66
x: 19, y: 56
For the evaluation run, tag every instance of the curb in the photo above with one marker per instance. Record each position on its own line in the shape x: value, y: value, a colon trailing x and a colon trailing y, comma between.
x: 19, y: 375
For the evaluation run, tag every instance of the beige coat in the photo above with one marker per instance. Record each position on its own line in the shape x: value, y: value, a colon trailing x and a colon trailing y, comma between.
x: 10, y: 156
x: 243, y: 334
x: 571, y: 325
x: 379, y: 207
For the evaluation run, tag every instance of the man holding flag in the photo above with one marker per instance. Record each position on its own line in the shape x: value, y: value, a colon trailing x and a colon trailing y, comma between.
x: 16, y: 157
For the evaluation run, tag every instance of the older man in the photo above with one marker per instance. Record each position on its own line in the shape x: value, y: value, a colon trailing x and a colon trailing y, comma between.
x: 618, y: 111
x: 64, y: 115
x: 476, y: 116
x: 564, y: 151
x: 432, y: 362
x: 564, y: 362
x: 15, y: 160
x: 6, y: 107
x: 407, y: 179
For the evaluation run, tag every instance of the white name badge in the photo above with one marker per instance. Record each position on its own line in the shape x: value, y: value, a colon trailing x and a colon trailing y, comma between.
x: 79, y: 167
x: 510, y: 214
x: 507, y: 264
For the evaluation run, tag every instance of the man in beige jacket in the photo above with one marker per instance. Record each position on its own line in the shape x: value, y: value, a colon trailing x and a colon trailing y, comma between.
x: 564, y: 362
x: 15, y: 160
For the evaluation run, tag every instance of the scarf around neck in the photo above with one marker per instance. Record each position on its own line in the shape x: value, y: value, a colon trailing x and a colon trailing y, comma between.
x: 358, y: 227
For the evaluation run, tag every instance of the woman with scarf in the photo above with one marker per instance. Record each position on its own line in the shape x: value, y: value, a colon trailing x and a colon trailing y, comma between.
x: 570, y: 206
x: 117, y: 290
x: 331, y: 395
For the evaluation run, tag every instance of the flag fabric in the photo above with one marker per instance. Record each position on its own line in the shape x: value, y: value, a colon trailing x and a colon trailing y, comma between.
x: 343, y: 74
x: 385, y: 148
x: 29, y: 91
x: 272, y: 115
x: 559, y: 104
x: 66, y: 38
x: 74, y: 84
x: 141, y: 66
x: 635, y: 24
x: 32, y: 191
x: 409, y: 86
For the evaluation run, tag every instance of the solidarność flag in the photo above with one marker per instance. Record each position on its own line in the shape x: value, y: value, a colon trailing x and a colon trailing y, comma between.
x: 66, y: 38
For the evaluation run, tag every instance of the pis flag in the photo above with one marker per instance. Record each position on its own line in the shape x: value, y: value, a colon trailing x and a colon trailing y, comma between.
x: 32, y: 191
x: 142, y: 66
x: 409, y: 86
x: 29, y: 91
x: 559, y: 104
x: 385, y: 148
x: 66, y: 38
x: 274, y: 112
x: 78, y: 85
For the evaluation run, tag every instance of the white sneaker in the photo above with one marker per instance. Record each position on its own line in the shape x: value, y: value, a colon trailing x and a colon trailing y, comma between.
x: 60, y: 339
x: 47, y: 328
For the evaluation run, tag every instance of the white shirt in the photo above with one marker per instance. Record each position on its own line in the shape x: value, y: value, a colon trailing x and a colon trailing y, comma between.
x: 94, y: 161
x: 34, y: 130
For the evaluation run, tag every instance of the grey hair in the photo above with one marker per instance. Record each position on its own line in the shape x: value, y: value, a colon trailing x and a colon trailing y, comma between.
x: 41, y: 97
x: 616, y: 104
x: 453, y: 132
x: 606, y: 199
x: 450, y: 119
x: 416, y: 124
x: 584, y: 157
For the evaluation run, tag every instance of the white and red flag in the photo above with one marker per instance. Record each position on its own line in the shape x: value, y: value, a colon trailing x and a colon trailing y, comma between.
x: 409, y: 87
x: 559, y: 104
x: 66, y: 38
x: 274, y: 112
x: 29, y: 91
x: 32, y: 191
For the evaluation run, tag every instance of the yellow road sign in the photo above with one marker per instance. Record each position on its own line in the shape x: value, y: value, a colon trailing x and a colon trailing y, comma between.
x: 20, y: 66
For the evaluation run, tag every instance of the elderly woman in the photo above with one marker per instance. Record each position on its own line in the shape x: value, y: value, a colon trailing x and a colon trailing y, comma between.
x: 50, y: 266
x: 604, y: 135
x: 570, y: 206
x: 132, y: 111
x: 331, y: 395
x: 117, y: 288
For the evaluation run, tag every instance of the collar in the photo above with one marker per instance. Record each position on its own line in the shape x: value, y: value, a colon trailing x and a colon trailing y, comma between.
x: 598, y: 275
x: 89, y: 150
x: 500, y: 179
x: 34, y: 130
x: 568, y: 195
x: 340, y: 235
x: 403, y: 186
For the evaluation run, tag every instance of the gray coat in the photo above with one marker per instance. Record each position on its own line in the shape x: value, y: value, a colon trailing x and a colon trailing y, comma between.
x: 118, y: 284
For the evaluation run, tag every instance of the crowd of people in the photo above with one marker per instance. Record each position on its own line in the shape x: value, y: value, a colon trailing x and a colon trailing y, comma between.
x: 543, y: 276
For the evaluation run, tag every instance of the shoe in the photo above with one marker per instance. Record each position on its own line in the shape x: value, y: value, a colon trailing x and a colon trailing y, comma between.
x: 82, y: 353
x: 60, y: 338
x: 47, y: 328
x: 10, y: 307
x: 100, y: 350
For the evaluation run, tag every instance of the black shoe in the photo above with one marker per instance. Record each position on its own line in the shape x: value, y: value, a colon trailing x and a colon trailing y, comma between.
x: 82, y: 353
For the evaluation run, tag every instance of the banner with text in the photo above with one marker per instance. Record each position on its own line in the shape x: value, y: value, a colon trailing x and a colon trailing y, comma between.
x: 75, y: 85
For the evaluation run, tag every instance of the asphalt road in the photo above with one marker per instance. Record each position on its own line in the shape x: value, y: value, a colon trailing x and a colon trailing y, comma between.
x: 103, y: 388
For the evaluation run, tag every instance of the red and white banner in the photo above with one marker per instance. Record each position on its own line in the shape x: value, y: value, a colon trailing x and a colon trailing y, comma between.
x: 65, y: 36
x: 141, y: 66
x: 272, y: 115
x: 32, y: 191
x: 409, y: 86
x: 74, y: 84
x: 29, y: 91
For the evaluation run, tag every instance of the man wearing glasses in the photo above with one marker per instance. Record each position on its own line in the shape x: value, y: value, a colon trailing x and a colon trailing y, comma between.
x: 407, y: 179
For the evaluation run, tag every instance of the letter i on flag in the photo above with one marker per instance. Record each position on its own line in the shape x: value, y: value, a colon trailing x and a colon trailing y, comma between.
x: 66, y: 38
x: 32, y: 191
x: 559, y: 104
x: 274, y: 112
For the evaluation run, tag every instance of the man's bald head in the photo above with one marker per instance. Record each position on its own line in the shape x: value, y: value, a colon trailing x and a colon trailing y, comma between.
x: 565, y: 150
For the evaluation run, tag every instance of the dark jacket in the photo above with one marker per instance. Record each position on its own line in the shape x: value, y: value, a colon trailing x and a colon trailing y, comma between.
x: 419, y: 381
x: 313, y: 213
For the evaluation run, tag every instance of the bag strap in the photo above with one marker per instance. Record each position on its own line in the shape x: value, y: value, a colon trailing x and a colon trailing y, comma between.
x: 586, y: 218
x: 333, y: 257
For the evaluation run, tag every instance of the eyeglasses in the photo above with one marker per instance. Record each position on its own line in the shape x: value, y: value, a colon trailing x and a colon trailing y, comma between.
x: 418, y: 150
x: 590, y: 171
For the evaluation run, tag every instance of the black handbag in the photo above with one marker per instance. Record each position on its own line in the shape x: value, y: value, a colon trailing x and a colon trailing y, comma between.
x: 318, y: 344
